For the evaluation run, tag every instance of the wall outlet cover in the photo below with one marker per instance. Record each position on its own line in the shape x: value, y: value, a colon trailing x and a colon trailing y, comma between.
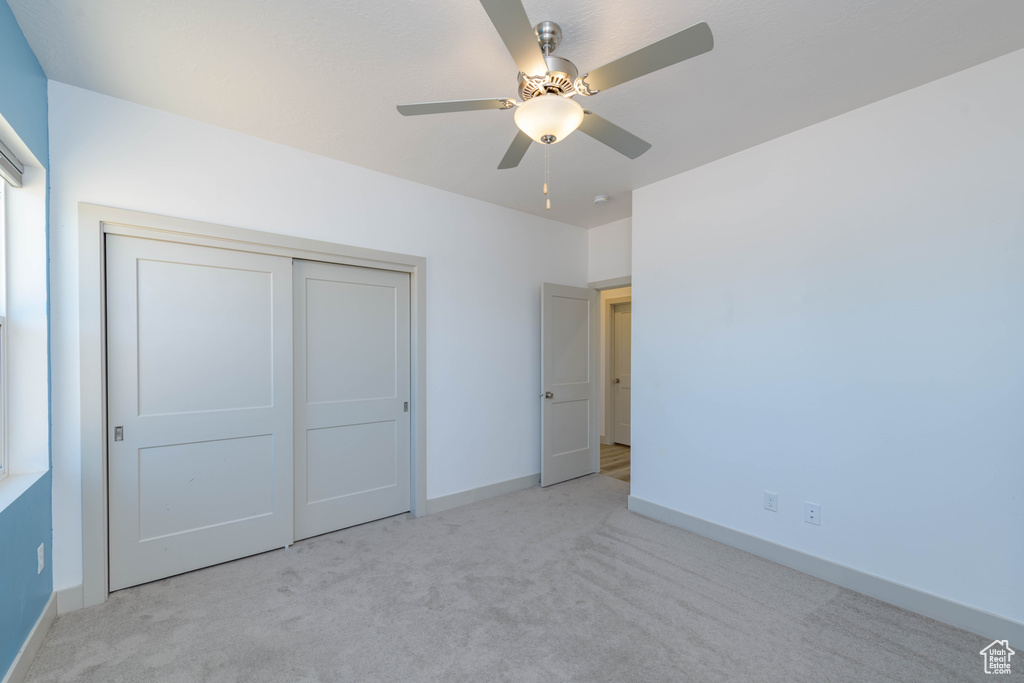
x: 771, y: 501
x: 41, y: 557
x: 812, y: 513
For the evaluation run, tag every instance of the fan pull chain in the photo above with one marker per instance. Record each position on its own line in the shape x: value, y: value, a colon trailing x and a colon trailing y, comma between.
x: 547, y: 173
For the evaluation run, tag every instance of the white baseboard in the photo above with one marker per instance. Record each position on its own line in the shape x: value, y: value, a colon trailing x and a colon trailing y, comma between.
x: 954, y: 613
x: 21, y: 663
x: 454, y: 500
x: 70, y: 599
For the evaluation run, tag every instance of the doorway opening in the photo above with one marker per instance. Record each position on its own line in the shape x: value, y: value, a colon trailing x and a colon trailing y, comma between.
x: 616, y: 318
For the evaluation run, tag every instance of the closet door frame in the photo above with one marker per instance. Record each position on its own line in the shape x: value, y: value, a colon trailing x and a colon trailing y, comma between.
x: 95, y: 223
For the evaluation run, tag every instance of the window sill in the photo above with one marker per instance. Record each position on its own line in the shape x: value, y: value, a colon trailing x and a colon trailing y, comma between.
x: 12, y: 486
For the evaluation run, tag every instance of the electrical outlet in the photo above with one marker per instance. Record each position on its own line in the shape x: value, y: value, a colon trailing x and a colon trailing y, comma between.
x: 812, y: 513
x: 40, y: 554
x: 771, y: 501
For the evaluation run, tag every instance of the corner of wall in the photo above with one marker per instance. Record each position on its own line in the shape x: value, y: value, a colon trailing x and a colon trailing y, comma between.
x: 610, y: 250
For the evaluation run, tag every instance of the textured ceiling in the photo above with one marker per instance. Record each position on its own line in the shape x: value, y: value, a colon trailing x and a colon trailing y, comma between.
x: 325, y: 76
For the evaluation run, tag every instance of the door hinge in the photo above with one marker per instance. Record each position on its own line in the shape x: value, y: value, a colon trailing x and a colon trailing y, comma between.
x: 118, y: 433
x: 406, y: 409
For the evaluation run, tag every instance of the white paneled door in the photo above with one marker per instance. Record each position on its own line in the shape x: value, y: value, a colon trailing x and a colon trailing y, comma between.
x: 199, y: 391
x: 569, y: 382
x: 621, y: 322
x: 352, y: 440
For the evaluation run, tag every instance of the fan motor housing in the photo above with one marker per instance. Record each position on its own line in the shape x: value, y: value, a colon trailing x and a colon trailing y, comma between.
x: 559, y: 78
x: 549, y: 35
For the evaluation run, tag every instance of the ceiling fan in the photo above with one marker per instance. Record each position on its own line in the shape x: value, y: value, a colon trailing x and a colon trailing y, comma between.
x: 547, y: 83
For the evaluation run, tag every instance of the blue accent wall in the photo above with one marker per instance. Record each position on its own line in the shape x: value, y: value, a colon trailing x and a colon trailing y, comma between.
x: 23, y: 593
x: 28, y: 521
x: 22, y: 87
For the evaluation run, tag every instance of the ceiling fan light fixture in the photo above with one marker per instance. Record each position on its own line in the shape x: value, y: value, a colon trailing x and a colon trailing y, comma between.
x: 548, y: 119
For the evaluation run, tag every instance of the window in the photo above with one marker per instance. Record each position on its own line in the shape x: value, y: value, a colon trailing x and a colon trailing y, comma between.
x: 24, y: 405
x: 3, y: 397
x: 4, y: 468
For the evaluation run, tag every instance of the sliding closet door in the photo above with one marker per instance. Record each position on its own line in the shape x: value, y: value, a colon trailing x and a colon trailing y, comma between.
x: 351, y: 396
x: 199, y: 358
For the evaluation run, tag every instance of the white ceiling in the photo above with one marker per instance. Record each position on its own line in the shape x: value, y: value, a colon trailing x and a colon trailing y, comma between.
x: 325, y: 76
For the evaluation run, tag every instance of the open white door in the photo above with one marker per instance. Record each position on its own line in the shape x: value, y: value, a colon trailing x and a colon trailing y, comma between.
x: 569, y: 382
x: 622, y: 315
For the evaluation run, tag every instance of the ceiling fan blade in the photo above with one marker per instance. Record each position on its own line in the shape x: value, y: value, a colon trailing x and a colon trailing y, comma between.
x: 516, y: 31
x: 622, y: 141
x: 688, y: 43
x: 452, y: 106
x: 516, y: 151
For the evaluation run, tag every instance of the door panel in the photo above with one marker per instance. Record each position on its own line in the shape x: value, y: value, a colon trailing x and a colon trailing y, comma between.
x: 200, y: 380
x: 569, y: 418
x: 622, y: 325
x: 352, y: 448
x: 237, y: 484
x: 570, y: 336
x: 573, y: 419
x: 354, y: 362
x: 235, y: 365
x: 341, y: 461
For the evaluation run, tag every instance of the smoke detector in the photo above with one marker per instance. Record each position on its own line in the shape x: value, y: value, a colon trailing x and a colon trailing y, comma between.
x: 601, y: 199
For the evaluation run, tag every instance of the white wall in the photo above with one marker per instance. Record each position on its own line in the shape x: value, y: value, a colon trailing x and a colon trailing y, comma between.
x: 838, y: 316
x: 610, y: 250
x: 485, y: 268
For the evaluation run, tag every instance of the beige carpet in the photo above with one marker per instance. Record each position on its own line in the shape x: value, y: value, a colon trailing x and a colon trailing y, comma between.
x: 559, y: 584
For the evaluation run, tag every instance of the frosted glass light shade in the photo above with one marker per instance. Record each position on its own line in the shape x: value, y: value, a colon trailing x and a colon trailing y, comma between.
x: 549, y: 115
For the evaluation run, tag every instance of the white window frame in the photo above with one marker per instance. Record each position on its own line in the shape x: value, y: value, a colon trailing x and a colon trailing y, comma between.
x: 23, y: 297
